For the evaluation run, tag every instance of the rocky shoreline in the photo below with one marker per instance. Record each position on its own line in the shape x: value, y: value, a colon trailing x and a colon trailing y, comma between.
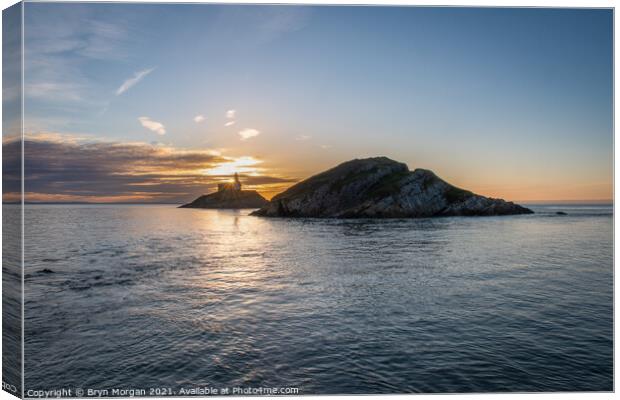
x: 229, y: 199
x: 381, y: 188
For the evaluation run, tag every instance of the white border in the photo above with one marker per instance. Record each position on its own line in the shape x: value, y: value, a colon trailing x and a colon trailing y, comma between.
x: 471, y: 3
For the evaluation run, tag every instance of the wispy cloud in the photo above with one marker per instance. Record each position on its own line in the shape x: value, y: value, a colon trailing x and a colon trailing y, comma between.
x: 277, y: 21
x: 58, y: 91
x: 326, y: 146
x: 154, y: 126
x: 199, y: 118
x: 248, y: 133
x: 258, y: 27
x: 229, y: 123
x: 230, y: 114
x: 242, y: 165
x: 62, y: 167
x: 62, y: 43
x: 79, y: 31
x: 137, y: 77
x: 303, y: 137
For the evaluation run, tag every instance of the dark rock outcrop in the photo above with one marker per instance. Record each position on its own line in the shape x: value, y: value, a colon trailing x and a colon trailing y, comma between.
x: 229, y: 199
x: 381, y: 188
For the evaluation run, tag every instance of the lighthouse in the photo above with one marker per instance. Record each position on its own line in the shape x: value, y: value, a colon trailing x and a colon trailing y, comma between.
x: 235, y: 186
x: 236, y: 183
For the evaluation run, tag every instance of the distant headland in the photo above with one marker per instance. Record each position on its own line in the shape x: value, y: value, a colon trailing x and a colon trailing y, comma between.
x: 229, y: 195
x: 381, y: 188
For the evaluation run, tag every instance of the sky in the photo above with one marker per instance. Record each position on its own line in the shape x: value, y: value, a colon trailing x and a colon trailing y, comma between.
x: 160, y: 102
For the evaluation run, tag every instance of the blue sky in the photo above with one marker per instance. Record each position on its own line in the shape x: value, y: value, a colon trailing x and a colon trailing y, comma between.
x: 512, y: 103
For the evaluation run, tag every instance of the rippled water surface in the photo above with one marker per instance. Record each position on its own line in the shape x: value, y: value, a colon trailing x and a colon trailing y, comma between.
x: 153, y: 296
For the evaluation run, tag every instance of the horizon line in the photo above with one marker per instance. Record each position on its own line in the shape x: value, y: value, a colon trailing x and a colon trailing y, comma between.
x: 531, y: 202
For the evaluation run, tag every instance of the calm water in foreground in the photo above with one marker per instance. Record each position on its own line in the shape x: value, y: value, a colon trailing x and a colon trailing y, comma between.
x: 154, y: 296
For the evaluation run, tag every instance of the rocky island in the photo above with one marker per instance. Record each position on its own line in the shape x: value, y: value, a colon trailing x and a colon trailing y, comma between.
x: 381, y: 188
x: 229, y: 195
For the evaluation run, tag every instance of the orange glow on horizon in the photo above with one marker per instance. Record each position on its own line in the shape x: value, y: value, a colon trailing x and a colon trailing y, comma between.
x: 242, y: 165
x: 158, y: 173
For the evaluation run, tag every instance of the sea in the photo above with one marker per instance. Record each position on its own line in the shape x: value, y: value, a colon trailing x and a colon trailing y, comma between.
x: 154, y: 297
